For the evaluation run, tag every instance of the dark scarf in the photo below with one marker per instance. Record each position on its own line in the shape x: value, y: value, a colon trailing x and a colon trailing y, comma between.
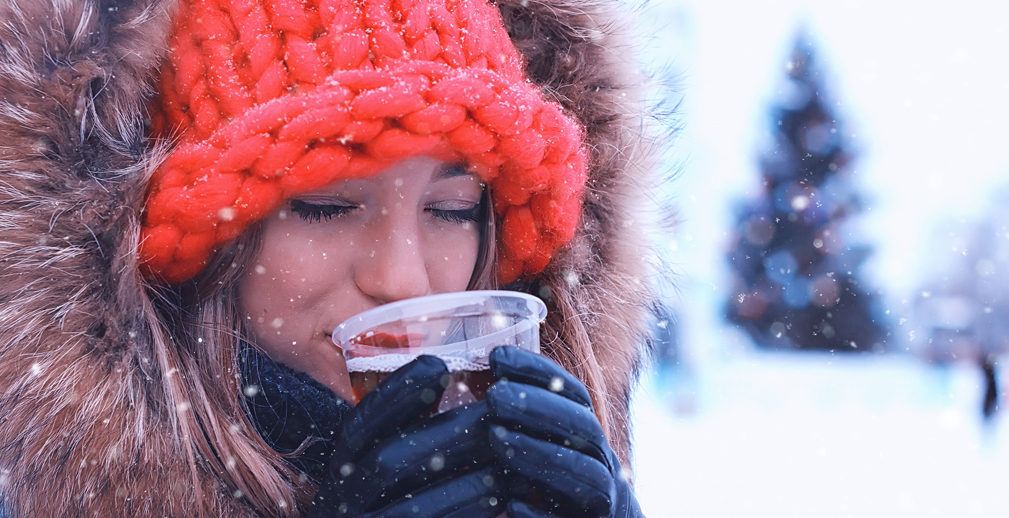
x: 289, y: 407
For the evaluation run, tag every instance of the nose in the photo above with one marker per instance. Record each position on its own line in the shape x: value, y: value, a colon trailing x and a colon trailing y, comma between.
x: 393, y: 266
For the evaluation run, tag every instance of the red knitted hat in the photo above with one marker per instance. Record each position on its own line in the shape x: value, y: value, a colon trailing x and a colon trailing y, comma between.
x: 271, y: 98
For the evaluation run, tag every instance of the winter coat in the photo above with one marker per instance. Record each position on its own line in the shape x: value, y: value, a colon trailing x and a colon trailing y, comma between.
x: 88, y: 423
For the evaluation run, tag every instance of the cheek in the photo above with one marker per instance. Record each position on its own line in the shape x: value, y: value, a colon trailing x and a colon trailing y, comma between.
x: 452, y: 261
x: 282, y: 282
x: 298, y: 277
x: 272, y: 291
x: 262, y: 302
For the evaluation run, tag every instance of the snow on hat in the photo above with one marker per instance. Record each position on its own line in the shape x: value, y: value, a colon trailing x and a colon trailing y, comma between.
x: 271, y: 98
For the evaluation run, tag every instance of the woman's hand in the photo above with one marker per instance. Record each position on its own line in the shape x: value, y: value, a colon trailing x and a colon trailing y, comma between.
x: 551, y: 444
x: 392, y: 461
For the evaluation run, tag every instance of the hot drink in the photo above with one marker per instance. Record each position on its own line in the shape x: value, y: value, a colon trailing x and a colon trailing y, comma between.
x: 466, y: 387
x: 460, y: 328
x: 468, y: 381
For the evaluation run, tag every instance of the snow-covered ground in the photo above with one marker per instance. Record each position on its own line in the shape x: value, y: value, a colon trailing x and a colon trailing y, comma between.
x: 787, y: 435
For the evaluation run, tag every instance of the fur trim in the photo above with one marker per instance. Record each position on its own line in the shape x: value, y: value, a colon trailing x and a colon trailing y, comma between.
x: 85, y: 429
x: 88, y: 426
x: 595, y: 288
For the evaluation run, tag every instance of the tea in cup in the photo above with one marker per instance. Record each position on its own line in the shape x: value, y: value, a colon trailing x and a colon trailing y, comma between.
x: 460, y: 328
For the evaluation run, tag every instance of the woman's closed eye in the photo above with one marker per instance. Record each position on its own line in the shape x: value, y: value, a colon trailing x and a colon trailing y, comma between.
x: 455, y: 211
x: 313, y: 212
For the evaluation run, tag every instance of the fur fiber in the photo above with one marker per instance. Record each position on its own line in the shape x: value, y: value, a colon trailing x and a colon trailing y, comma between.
x: 86, y: 425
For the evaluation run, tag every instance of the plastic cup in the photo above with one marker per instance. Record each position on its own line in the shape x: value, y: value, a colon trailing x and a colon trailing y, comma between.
x: 460, y: 328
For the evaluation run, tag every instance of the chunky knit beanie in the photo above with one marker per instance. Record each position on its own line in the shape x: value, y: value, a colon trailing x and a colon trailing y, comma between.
x: 271, y: 98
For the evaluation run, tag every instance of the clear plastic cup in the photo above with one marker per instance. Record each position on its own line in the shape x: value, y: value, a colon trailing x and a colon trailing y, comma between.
x: 460, y: 328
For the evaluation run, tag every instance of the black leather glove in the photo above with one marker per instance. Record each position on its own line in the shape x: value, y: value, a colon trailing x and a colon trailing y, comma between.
x: 551, y: 444
x: 391, y: 460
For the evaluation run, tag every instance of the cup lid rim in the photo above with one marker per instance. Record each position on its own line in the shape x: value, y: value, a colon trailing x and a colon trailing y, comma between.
x: 408, y: 308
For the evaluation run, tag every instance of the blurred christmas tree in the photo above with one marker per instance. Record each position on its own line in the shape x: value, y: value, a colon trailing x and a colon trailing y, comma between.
x: 796, y: 277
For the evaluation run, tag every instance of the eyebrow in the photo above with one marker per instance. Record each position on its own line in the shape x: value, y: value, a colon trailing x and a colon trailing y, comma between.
x: 453, y: 170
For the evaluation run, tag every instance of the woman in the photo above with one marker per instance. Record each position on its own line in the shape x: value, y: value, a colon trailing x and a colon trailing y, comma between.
x: 150, y: 365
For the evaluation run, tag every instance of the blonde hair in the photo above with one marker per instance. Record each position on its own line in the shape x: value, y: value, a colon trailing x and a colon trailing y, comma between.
x: 207, y: 328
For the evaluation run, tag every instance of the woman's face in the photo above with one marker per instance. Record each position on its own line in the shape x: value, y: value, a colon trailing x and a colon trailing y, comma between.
x: 353, y: 245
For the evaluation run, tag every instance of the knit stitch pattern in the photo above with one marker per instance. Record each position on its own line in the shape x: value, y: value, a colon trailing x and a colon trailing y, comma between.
x: 271, y: 98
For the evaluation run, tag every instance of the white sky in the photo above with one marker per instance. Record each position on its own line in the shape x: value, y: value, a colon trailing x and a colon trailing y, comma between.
x: 924, y: 86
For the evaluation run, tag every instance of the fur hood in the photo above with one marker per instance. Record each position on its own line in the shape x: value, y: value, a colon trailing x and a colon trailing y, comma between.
x: 87, y: 425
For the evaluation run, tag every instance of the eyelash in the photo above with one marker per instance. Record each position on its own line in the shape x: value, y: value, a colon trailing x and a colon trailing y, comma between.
x: 470, y: 215
x: 314, y: 213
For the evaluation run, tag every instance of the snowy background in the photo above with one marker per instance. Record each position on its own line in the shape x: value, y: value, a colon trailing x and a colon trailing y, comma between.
x: 734, y: 431
x: 789, y: 435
